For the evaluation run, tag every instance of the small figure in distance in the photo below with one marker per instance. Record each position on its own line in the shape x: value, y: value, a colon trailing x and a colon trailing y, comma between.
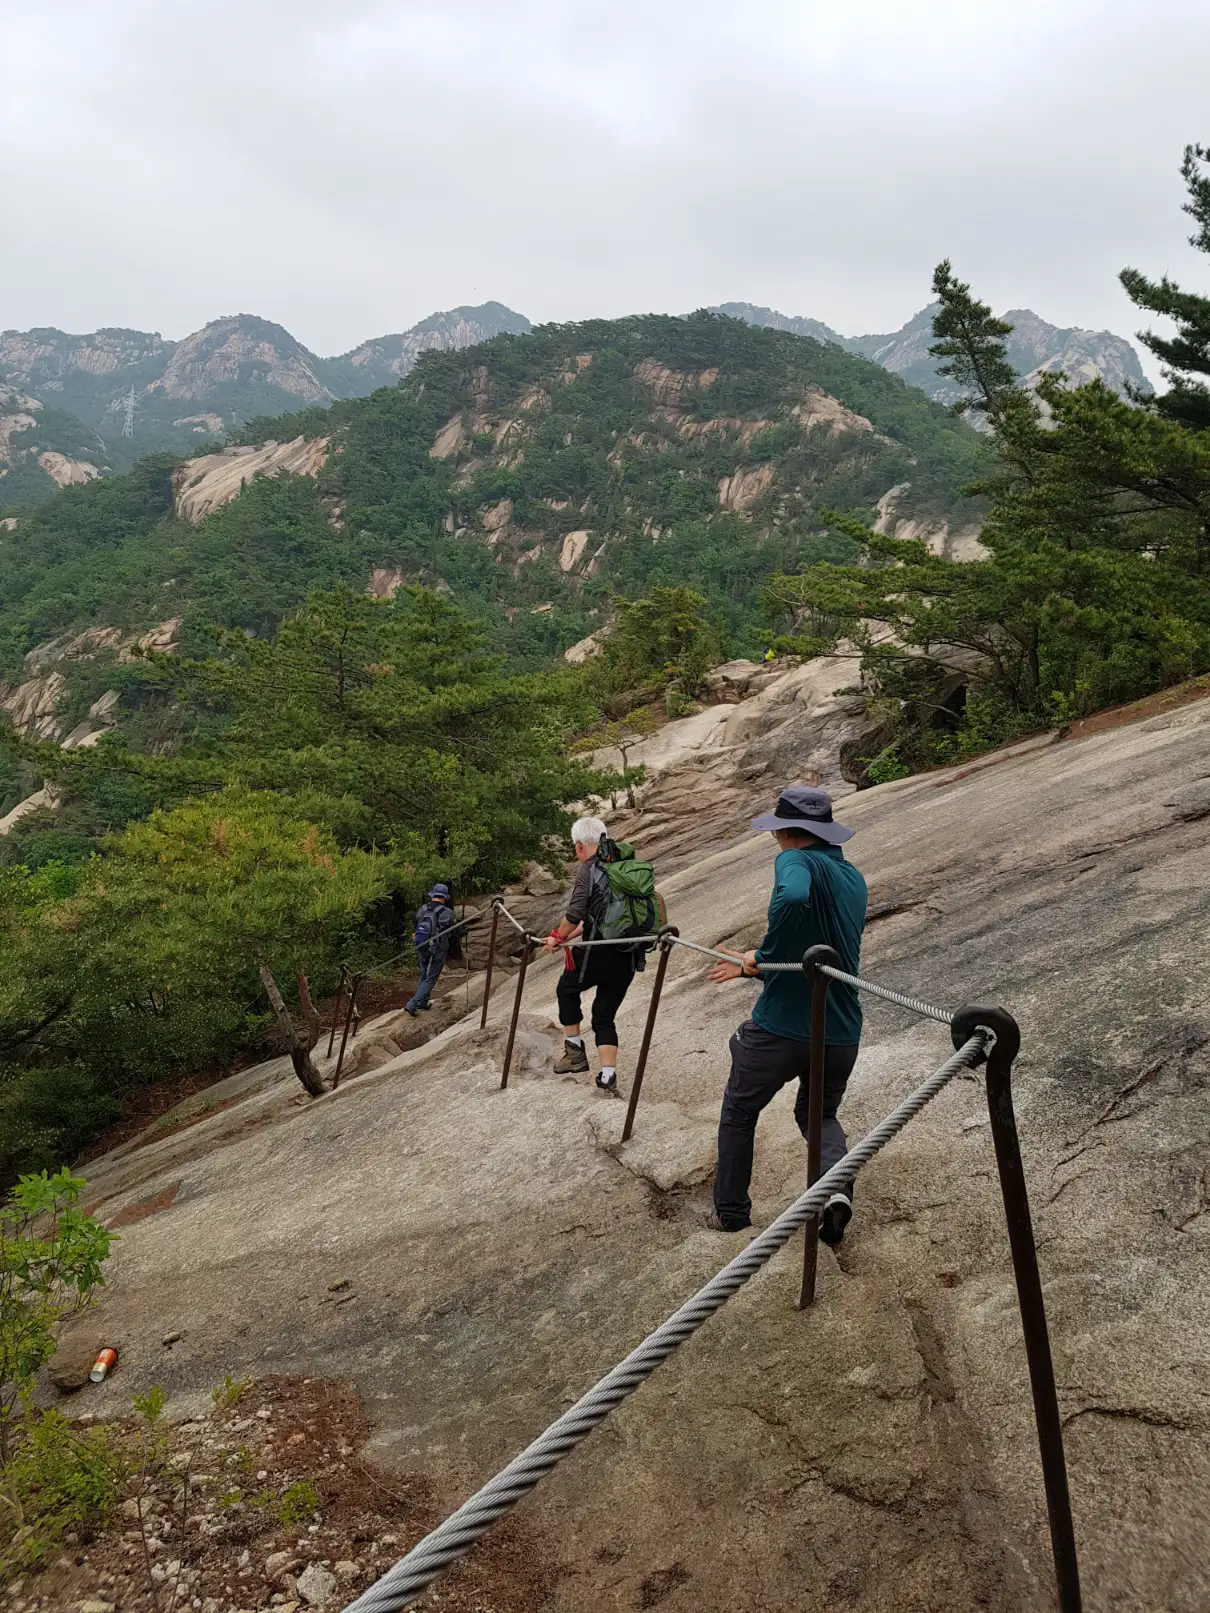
x: 818, y: 898
x: 434, y: 920
x: 607, y: 971
x: 769, y: 656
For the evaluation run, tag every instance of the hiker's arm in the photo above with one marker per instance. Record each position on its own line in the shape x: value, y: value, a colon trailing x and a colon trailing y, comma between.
x: 572, y: 923
x: 565, y: 930
x: 791, y: 895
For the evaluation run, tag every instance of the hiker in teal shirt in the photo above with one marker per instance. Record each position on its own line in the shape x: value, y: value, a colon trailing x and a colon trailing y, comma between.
x: 818, y: 899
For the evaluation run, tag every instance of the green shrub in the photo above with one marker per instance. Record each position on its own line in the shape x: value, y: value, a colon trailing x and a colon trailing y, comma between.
x: 230, y: 1392
x: 298, y: 1503
x: 47, y: 1113
x: 57, y: 1479
x: 51, y: 1254
x: 51, y: 1476
x: 887, y: 766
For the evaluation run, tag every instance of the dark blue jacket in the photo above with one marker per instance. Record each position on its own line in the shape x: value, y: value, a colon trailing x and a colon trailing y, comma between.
x: 441, y: 920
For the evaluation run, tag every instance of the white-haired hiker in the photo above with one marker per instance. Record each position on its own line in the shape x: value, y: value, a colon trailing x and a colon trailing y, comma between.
x: 606, y: 971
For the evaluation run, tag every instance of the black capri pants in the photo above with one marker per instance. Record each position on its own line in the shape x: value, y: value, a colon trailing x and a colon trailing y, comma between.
x: 607, y: 973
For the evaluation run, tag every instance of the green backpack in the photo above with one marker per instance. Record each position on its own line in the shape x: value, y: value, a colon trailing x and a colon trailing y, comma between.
x: 628, y: 902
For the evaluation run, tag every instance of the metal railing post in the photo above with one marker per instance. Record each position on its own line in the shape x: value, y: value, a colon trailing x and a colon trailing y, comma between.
x: 491, y: 959
x: 1029, y: 1288
x: 340, y: 991
x: 354, y: 985
x: 512, y: 1029
x: 819, y: 982
x: 665, y: 937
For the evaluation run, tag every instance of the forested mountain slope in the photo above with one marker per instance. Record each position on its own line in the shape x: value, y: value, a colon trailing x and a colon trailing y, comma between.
x: 532, y: 476
x: 123, y: 394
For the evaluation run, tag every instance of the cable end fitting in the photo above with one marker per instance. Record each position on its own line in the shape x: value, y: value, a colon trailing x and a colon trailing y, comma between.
x: 814, y: 956
x: 981, y: 1017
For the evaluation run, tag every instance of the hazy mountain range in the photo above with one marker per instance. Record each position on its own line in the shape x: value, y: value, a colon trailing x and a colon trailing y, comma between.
x: 1034, y: 346
x: 73, y: 407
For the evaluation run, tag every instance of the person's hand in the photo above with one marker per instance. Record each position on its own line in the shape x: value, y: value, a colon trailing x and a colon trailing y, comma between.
x: 732, y: 971
x: 551, y: 942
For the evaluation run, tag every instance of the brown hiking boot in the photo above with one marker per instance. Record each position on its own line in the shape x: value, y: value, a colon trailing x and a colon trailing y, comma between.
x: 574, y: 1060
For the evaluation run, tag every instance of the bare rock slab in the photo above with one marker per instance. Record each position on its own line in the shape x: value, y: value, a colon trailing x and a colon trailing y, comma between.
x: 668, y: 1149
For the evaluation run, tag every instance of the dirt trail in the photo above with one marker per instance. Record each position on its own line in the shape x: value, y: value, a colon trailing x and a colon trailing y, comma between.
x: 878, y: 1453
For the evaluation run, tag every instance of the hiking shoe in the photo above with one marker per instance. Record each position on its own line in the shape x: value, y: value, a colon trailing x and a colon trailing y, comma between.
x: 835, y: 1217
x: 573, y: 1062
x: 716, y: 1224
x: 409, y: 1010
x: 424, y: 1007
x: 608, y: 1086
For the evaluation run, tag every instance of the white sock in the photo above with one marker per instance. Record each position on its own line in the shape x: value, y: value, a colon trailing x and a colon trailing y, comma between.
x: 608, y: 1074
x: 574, y: 1041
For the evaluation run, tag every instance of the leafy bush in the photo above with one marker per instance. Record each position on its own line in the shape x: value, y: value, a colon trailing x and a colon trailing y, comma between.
x: 230, y: 1392
x: 51, y: 1255
x: 887, y: 766
x: 57, y: 1479
x: 51, y: 1477
x: 299, y: 1501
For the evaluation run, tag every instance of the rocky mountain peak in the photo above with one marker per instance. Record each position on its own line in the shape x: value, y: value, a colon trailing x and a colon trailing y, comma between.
x: 1034, y: 346
x: 384, y: 359
x: 751, y: 314
x: 43, y: 359
x: 240, y: 349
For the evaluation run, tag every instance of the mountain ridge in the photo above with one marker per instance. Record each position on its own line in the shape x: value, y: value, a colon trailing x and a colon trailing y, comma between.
x: 171, y: 395
x: 1034, y: 347
x: 115, y: 394
x: 535, y: 477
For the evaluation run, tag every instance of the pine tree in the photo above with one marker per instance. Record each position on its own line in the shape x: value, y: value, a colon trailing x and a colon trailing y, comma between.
x: 1185, y: 356
x: 971, y: 341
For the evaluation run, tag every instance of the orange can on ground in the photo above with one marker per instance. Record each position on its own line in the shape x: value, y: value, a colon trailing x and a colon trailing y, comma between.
x: 104, y: 1364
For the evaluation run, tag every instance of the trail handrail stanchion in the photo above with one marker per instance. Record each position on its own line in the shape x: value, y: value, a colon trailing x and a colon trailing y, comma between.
x: 1029, y: 1288
x: 340, y: 991
x: 812, y: 958
x: 354, y: 986
x: 665, y: 939
x: 491, y: 959
x: 512, y: 1029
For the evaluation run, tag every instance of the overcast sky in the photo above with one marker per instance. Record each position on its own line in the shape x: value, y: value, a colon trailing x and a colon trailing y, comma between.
x: 347, y: 166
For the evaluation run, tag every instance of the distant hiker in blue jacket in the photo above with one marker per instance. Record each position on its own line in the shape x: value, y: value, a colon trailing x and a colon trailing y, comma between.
x: 818, y: 899
x: 434, y: 920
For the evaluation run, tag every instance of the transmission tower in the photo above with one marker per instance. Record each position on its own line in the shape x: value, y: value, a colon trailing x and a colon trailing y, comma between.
x: 128, y: 417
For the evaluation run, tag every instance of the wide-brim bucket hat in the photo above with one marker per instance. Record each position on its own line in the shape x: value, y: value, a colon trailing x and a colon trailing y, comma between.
x: 800, y: 806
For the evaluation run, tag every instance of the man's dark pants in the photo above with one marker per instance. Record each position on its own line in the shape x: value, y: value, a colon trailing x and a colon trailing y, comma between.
x: 610, y: 970
x: 761, y: 1064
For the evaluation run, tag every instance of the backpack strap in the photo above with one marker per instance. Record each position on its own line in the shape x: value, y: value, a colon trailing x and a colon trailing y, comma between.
x: 598, y: 900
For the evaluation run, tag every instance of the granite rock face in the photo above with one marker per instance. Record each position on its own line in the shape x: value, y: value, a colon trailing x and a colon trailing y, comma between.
x: 878, y: 1452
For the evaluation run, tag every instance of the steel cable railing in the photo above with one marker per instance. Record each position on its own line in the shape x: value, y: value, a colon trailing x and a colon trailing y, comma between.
x: 452, y: 1539
x: 820, y: 966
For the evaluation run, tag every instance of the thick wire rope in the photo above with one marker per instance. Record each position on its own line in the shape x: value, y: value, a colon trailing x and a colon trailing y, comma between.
x: 477, y: 917
x: 944, y: 1016
x: 401, y: 1585
x: 498, y: 904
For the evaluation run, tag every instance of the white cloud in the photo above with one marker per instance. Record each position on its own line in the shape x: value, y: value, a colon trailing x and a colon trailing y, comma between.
x: 346, y: 170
